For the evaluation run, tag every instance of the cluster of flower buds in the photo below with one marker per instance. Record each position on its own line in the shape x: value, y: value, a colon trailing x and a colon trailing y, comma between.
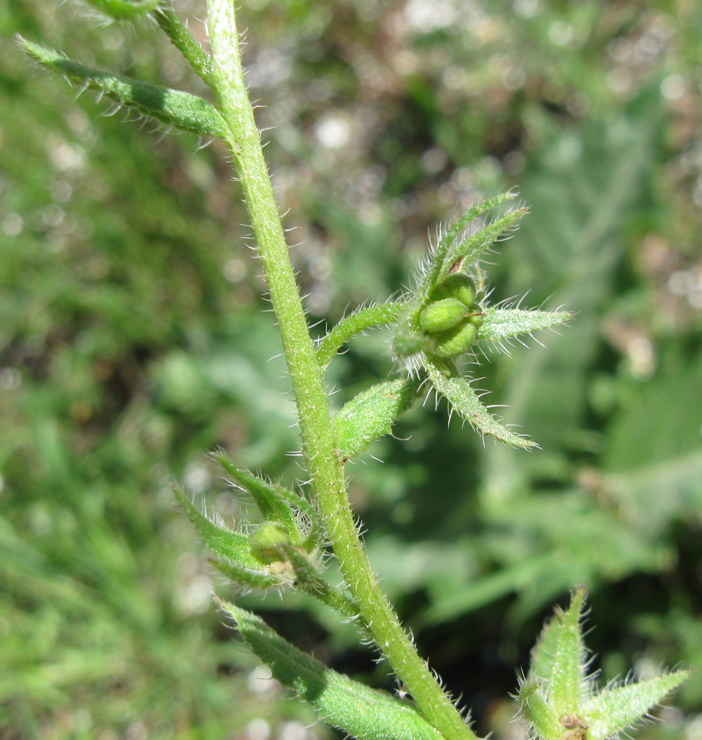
x: 451, y: 318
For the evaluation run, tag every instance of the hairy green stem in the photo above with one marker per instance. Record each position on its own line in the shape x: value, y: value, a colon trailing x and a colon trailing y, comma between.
x: 318, y: 439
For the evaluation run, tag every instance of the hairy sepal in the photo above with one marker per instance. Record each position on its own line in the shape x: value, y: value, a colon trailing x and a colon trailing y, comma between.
x: 371, y: 414
x: 277, y: 503
x: 227, y: 544
x: 568, y: 684
x: 359, y: 711
x: 174, y: 108
x: 465, y: 402
x: 250, y: 579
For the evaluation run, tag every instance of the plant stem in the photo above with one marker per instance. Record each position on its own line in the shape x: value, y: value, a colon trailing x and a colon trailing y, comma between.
x: 318, y: 440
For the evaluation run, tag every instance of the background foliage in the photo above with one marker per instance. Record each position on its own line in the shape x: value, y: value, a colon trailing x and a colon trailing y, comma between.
x: 134, y: 338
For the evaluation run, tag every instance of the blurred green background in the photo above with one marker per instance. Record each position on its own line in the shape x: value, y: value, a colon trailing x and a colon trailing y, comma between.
x: 135, y: 337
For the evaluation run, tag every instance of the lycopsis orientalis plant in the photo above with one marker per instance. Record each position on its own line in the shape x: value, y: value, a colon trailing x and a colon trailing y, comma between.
x: 438, y: 325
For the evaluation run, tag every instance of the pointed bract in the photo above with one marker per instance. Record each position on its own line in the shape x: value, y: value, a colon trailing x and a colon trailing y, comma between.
x: 568, y: 670
x: 502, y: 323
x: 277, y: 503
x: 469, y: 250
x: 231, y: 546
x: 123, y: 10
x: 615, y: 709
x: 465, y: 401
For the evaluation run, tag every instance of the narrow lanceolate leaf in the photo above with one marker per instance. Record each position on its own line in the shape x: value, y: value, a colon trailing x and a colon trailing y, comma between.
x: 124, y: 10
x: 229, y: 545
x: 501, y: 323
x: 172, y: 107
x: 613, y: 710
x: 371, y: 414
x: 354, y: 323
x: 350, y: 706
x: 469, y: 250
x: 568, y: 681
x: 250, y: 579
x: 544, y: 651
x: 452, y: 234
x: 275, y: 501
x: 465, y: 401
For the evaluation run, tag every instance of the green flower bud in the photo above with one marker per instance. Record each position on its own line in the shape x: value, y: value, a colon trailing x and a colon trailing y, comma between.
x: 455, y: 286
x: 441, y: 315
x: 268, y: 539
x: 456, y: 341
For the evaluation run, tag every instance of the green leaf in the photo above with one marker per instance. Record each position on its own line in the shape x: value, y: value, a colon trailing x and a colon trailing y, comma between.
x: 615, y: 709
x: 567, y: 683
x: 273, y: 505
x: 440, y: 263
x: 229, y: 545
x: 469, y: 250
x: 371, y: 414
x: 173, y: 107
x: 354, y: 323
x: 500, y: 323
x: 361, y: 712
x: 558, y: 698
x: 465, y: 401
x: 544, y: 651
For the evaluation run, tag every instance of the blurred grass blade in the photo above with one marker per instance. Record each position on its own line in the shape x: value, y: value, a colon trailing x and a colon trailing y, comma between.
x: 124, y: 10
x: 371, y: 414
x: 172, y: 107
x: 353, y: 708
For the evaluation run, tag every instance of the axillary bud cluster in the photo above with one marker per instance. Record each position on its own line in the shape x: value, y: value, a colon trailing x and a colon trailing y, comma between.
x: 451, y: 318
